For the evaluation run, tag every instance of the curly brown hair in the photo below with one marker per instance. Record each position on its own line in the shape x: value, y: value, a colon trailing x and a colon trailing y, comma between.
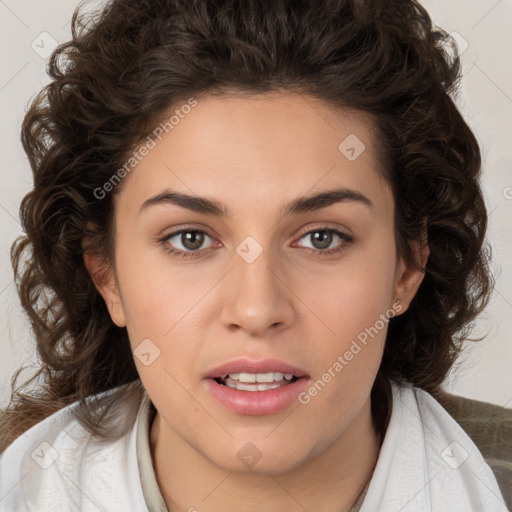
x: 129, y: 63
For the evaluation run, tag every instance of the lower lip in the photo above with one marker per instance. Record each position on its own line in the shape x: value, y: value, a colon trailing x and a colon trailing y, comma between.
x: 257, y: 403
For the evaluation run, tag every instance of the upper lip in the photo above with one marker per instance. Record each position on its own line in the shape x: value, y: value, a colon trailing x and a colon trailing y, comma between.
x: 253, y: 366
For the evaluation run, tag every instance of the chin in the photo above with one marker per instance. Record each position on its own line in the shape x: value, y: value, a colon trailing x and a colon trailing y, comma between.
x: 262, y: 458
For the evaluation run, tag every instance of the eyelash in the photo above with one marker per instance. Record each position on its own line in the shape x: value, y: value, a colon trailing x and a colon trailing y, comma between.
x: 347, y: 239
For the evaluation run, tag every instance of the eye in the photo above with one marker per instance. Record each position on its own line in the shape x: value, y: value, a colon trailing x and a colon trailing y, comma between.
x: 186, y: 243
x: 322, y: 238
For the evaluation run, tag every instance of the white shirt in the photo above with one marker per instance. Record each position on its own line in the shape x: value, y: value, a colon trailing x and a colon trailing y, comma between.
x: 426, y: 463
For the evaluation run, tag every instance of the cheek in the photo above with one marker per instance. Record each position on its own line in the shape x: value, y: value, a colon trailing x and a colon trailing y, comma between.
x: 354, y: 295
x: 145, y: 305
x: 161, y: 306
x: 352, y: 309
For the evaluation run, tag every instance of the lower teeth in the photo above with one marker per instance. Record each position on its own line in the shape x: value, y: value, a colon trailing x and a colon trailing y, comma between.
x: 242, y: 386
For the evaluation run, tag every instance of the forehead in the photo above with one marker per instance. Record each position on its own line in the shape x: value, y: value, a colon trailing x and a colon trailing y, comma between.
x: 258, y: 147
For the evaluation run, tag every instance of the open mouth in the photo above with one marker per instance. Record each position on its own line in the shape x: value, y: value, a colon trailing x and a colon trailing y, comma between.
x: 254, y: 388
x: 256, y: 381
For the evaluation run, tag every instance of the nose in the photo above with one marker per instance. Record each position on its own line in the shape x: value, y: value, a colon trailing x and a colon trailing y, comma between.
x: 257, y: 299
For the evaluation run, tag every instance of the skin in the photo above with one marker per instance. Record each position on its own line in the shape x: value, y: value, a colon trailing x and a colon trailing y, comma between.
x: 292, y: 303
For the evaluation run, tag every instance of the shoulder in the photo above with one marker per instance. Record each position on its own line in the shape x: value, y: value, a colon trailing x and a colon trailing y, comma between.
x: 59, y: 463
x: 474, y: 430
x: 490, y: 428
x: 427, y: 461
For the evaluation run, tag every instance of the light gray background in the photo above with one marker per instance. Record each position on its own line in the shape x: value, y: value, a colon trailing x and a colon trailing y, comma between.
x: 29, y: 28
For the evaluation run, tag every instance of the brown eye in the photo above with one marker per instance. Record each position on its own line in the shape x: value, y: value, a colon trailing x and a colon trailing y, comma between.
x: 185, y: 242
x: 321, y: 239
x: 192, y: 240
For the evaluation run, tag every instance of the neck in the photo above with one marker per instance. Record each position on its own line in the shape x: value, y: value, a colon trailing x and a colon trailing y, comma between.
x: 331, y: 481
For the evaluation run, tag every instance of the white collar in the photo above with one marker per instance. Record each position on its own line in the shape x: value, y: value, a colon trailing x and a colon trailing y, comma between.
x: 428, y: 463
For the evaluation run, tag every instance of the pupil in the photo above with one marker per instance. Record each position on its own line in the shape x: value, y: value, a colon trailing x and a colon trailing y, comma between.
x: 192, y: 239
x: 323, y: 237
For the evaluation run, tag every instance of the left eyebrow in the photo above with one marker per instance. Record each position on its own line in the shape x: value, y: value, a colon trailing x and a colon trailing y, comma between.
x: 324, y: 199
x: 297, y: 206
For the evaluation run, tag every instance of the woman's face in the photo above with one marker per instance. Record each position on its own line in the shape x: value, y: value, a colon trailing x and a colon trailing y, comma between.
x: 293, y: 271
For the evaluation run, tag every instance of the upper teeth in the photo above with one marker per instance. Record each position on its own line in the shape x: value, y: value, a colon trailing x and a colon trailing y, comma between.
x: 259, y: 377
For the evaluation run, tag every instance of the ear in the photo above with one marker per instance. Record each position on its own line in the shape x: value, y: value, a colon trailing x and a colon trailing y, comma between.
x: 103, y: 277
x: 407, y: 277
